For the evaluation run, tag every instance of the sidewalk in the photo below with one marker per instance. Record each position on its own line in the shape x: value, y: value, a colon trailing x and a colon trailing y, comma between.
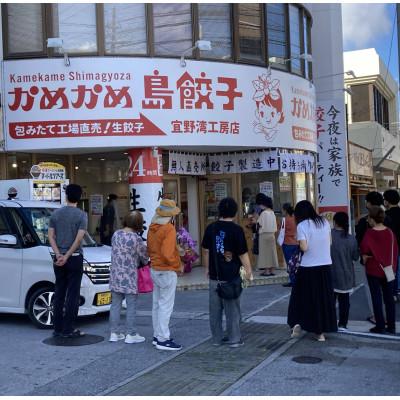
x: 196, y: 279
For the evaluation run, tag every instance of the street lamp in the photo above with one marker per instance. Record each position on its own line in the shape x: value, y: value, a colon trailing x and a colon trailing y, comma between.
x: 279, y: 60
x: 203, y: 45
x: 350, y: 72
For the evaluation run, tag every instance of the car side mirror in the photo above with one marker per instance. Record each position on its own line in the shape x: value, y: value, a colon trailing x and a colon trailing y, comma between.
x: 9, y: 240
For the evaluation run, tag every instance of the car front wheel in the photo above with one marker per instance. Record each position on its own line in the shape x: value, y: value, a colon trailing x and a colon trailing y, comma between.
x: 40, y: 308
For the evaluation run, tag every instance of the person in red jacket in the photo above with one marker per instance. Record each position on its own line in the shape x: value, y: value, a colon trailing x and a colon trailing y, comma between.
x: 379, y: 249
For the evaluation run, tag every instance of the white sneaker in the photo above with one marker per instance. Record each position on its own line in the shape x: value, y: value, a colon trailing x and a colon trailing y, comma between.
x: 114, y: 337
x: 136, y: 338
x: 342, y: 329
x: 296, y: 331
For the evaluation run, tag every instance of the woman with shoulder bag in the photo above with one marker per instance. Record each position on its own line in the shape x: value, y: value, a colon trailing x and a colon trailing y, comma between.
x: 379, y: 252
x: 312, y: 303
x: 289, y: 242
x: 267, y: 259
x: 224, y: 251
x: 127, y: 254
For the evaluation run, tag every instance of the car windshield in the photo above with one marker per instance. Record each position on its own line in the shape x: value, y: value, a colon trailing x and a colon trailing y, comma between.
x: 39, y: 218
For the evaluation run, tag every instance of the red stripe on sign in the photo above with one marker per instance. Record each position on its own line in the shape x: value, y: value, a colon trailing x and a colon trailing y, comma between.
x: 333, y: 209
x: 84, y: 128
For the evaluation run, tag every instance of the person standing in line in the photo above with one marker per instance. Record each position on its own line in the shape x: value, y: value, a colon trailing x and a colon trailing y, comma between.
x: 290, y: 244
x: 127, y: 254
x: 312, y: 302
x: 224, y: 242
x: 67, y: 228
x: 391, y: 201
x: 109, y: 221
x: 379, y: 249
x: 165, y: 264
x: 266, y: 225
x: 344, y: 251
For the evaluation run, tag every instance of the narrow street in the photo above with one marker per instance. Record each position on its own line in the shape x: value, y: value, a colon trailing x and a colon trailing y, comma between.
x: 264, y: 366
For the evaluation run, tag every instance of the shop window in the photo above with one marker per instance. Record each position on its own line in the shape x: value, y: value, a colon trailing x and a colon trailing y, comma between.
x: 295, y: 38
x: 286, y: 188
x: 172, y: 28
x: 25, y: 28
x: 19, y: 166
x: 75, y: 24
x: 311, y: 188
x: 300, y: 187
x: 277, y: 33
x: 250, y: 42
x: 360, y: 107
x: 125, y: 28
x: 215, y: 26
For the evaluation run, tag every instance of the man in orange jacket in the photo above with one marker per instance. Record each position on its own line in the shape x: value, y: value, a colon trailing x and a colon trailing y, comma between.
x: 165, y: 263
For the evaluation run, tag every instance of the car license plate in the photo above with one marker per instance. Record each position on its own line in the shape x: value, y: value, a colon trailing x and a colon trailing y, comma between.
x: 103, y: 298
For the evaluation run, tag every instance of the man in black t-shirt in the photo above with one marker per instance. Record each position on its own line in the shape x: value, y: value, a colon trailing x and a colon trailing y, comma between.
x: 225, y: 241
x: 392, y: 199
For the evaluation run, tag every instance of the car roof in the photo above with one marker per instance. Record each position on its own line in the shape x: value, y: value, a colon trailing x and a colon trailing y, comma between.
x: 28, y: 204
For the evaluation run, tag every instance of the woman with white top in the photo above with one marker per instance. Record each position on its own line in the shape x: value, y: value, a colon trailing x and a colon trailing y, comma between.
x: 312, y: 302
x: 266, y: 227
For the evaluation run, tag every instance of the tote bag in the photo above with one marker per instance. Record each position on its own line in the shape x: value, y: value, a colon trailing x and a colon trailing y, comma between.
x: 145, y: 283
x: 281, y: 235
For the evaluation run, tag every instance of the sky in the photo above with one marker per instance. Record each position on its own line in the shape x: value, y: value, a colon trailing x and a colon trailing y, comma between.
x: 370, y: 25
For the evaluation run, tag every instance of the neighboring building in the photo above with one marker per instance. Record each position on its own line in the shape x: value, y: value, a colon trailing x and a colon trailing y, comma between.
x: 125, y: 107
x: 373, y: 119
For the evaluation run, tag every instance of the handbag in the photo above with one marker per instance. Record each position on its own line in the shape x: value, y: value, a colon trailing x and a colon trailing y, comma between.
x: 294, y: 264
x: 281, y: 235
x: 388, y: 270
x: 226, y: 290
x: 145, y: 283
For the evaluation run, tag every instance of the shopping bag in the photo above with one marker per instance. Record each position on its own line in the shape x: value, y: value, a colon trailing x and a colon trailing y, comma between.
x: 145, y: 283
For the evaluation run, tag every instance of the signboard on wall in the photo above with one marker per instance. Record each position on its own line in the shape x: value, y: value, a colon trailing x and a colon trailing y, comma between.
x: 360, y: 161
x: 96, y: 204
x: 332, y: 174
x: 156, y: 102
x: 267, y: 188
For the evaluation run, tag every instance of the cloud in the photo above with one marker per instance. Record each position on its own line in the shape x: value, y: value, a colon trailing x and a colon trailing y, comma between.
x: 365, y: 24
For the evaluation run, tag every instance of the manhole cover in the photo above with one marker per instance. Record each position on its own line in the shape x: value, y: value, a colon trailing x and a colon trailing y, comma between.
x: 306, y: 360
x: 79, y: 341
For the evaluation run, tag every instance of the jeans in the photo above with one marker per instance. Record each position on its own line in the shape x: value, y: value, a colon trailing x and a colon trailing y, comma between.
x: 379, y: 288
x: 288, y: 250
x: 115, y: 312
x: 66, y: 296
x: 344, y: 308
x: 232, y: 314
x: 163, y: 302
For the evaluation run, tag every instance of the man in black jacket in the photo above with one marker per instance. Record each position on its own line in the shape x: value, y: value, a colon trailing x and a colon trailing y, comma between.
x: 391, y: 200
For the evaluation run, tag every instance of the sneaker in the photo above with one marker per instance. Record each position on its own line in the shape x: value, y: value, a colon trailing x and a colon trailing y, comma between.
x: 236, y: 345
x: 377, y: 330
x: 114, y: 337
x: 296, y: 331
x: 320, y: 338
x: 155, y: 341
x: 342, y: 329
x: 136, y: 338
x: 392, y: 331
x: 75, y: 334
x: 168, y: 345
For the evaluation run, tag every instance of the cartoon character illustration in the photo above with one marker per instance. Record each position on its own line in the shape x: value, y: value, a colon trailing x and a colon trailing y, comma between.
x: 269, y: 111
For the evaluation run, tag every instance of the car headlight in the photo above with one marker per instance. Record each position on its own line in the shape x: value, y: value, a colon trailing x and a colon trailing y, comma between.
x: 87, y: 267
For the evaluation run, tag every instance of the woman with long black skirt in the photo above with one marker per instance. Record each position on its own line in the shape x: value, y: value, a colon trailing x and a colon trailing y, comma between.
x: 312, y: 301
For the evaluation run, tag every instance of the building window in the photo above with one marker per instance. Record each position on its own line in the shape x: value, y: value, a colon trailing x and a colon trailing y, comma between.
x: 25, y: 28
x: 75, y: 24
x: 215, y: 26
x: 360, y: 107
x: 295, y: 39
x: 125, y: 28
x: 307, y: 45
x: 172, y: 28
x: 250, y: 42
x: 381, y: 109
x: 277, y: 33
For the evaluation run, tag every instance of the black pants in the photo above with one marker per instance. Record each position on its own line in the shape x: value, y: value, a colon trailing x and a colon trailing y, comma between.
x: 344, y: 308
x: 380, y: 287
x: 66, y: 296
